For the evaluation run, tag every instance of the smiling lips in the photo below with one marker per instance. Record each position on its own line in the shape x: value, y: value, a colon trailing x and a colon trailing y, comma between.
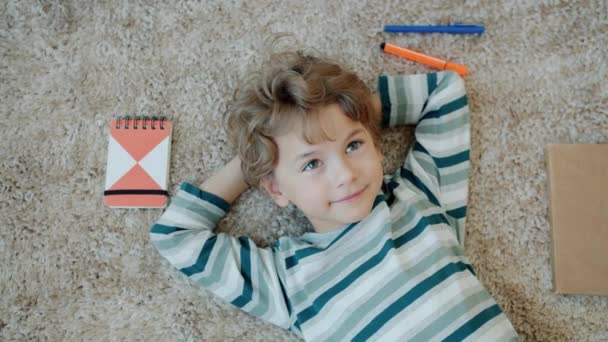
x: 351, y: 196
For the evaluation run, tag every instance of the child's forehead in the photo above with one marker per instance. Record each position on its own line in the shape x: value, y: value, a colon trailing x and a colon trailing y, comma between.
x: 317, y: 128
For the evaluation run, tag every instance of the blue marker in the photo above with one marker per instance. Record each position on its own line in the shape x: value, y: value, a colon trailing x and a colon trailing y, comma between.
x: 454, y: 29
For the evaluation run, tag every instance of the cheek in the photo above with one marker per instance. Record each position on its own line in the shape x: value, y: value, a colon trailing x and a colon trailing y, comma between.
x: 312, y: 200
x: 373, y: 162
x: 309, y: 192
x: 376, y: 171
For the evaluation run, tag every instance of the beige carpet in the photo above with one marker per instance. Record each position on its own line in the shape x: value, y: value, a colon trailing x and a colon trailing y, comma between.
x: 72, y: 269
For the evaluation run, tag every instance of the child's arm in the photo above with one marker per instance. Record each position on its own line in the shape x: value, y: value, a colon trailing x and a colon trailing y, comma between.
x: 228, y: 183
x: 234, y: 269
x: 437, y: 163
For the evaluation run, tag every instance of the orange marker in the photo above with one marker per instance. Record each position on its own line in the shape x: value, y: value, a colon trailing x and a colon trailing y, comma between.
x: 424, y: 59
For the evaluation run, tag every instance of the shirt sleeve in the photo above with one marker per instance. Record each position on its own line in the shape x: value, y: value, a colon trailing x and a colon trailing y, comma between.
x: 437, y: 163
x: 233, y: 268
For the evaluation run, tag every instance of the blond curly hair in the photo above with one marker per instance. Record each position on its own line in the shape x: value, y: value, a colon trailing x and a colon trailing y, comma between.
x: 291, y: 88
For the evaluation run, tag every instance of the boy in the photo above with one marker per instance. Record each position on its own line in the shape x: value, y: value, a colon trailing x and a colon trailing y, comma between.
x: 386, y: 259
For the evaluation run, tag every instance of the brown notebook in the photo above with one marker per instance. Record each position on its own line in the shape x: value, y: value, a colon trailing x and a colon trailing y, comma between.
x: 578, y: 213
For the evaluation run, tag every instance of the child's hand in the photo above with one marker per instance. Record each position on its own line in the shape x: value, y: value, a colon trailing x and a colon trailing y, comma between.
x: 227, y: 183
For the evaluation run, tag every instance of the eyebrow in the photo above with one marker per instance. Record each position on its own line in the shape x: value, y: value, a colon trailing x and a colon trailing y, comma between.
x: 307, y: 154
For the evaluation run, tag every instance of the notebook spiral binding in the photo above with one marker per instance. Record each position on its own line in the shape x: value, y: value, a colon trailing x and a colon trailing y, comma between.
x: 127, y: 119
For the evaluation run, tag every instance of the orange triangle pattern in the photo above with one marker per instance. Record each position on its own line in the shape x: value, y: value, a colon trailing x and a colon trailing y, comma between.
x: 139, y: 142
x: 136, y: 178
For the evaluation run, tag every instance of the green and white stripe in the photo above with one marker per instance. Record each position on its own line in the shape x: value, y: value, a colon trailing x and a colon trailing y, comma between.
x: 439, y: 158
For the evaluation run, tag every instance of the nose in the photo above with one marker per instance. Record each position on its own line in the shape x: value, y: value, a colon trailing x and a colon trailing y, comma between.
x: 345, y: 172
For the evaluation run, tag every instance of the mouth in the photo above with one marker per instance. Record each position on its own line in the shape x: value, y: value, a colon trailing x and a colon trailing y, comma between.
x: 351, y: 197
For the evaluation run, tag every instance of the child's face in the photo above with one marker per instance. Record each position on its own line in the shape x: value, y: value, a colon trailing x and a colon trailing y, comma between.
x: 319, y: 183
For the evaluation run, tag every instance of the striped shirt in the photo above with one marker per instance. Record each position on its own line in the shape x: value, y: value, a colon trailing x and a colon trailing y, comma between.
x: 398, y: 274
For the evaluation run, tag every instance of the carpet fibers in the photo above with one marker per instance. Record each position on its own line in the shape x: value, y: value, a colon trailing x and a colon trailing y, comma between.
x: 72, y: 269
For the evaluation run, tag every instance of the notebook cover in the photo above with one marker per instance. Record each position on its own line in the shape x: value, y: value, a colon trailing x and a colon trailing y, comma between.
x: 578, y: 213
x: 138, y: 160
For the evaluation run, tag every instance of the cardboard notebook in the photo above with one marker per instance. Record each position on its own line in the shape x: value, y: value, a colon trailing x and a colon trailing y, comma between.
x: 578, y: 213
x: 137, y: 168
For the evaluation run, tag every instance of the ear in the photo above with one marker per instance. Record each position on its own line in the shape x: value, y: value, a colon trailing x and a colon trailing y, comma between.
x: 269, y: 183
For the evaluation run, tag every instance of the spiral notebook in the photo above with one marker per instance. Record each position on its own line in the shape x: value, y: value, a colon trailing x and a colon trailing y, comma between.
x: 137, y: 168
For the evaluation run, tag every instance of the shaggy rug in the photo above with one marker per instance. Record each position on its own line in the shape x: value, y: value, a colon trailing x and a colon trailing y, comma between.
x: 72, y: 269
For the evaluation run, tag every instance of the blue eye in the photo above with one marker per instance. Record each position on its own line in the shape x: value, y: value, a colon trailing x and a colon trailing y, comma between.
x: 314, y: 163
x: 356, y: 143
